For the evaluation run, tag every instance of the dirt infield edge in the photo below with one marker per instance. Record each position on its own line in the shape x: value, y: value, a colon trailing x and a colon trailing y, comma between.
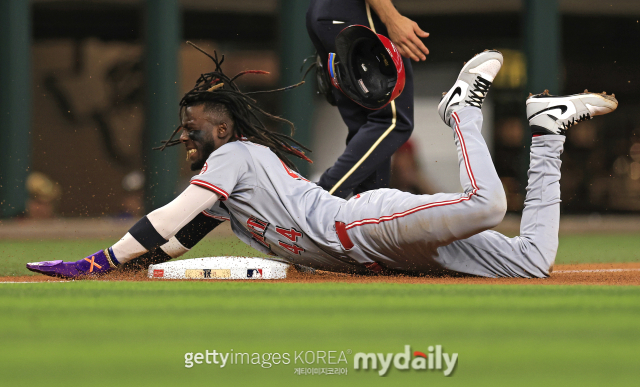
x: 580, y: 274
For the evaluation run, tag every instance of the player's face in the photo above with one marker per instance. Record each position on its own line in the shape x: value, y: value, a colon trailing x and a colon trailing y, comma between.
x: 202, y: 134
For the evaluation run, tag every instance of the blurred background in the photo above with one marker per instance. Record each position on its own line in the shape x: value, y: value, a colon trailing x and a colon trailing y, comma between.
x: 87, y: 88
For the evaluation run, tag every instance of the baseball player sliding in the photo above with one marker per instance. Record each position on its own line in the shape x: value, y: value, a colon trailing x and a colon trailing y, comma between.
x: 247, y: 179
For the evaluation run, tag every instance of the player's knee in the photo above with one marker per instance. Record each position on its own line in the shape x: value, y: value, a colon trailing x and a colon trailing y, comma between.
x: 494, y: 208
x: 500, y: 204
x: 492, y: 216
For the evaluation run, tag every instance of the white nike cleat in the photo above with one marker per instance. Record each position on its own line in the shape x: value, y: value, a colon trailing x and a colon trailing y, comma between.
x: 472, y: 85
x: 550, y: 114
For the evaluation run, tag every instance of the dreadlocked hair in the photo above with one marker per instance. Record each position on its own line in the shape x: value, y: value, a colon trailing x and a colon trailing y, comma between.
x: 218, y: 92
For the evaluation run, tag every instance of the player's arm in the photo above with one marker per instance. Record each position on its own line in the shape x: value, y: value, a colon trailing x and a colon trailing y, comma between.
x: 149, y: 233
x: 184, y: 240
x: 403, y: 32
x: 159, y: 228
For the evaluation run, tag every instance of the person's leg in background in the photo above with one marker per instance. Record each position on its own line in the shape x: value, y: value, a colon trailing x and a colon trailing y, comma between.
x: 325, y: 19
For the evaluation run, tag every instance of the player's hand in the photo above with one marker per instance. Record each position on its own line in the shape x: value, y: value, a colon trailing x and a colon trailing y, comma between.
x: 94, y: 264
x: 406, y: 35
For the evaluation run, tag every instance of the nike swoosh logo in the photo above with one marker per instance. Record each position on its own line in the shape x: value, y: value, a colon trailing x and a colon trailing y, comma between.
x: 457, y: 91
x: 562, y: 108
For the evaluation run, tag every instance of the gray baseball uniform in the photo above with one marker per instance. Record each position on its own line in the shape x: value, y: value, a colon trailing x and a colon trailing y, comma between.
x: 276, y: 210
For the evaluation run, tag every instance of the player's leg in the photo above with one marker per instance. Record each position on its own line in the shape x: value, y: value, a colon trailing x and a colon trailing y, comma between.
x: 379, y: 178
x: 324, y: 21
x: 400, y: 230
x: 532, y: 254
x: 403, y: 231
x: 491, y: 254
x: 364, y: 136
x: 366, y: 127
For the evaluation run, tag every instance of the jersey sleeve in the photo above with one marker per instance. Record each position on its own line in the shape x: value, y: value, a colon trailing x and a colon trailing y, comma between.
x: 223, y: 170
x: 218, y: 212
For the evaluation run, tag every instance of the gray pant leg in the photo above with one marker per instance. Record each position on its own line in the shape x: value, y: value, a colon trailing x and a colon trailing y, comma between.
x: 403, y: 231
x: 532, y: 254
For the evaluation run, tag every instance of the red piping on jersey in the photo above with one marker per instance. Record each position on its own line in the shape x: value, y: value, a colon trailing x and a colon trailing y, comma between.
x: 466, y: 197
x: 205, y: 213
x: 211, y: 187
x: 292, y: 173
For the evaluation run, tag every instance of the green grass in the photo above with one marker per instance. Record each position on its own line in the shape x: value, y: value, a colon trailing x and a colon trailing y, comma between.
x: 92, y: 333
x: 599, y: 248
x: 573, y: 249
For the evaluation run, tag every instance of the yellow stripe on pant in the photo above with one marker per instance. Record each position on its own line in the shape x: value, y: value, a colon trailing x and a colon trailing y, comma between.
x: 382, y: 137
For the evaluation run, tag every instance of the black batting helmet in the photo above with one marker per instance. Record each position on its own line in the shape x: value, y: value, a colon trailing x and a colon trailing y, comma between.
x: 366, y: 67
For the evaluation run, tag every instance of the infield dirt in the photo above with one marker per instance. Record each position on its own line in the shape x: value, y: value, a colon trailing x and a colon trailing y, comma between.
x: 580, y: 274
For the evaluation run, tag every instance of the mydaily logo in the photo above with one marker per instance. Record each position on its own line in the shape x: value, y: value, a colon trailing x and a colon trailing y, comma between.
x: 432, y: 360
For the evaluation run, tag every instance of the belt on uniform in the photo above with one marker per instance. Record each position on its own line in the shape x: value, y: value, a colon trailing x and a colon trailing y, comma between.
x: 341, y: 230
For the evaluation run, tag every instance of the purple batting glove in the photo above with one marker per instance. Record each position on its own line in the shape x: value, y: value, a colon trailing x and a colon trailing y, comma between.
x: 95, y: 264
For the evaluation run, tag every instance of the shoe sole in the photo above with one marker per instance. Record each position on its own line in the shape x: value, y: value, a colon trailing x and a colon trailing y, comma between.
x: 470, y: 62
x: 542, y: 97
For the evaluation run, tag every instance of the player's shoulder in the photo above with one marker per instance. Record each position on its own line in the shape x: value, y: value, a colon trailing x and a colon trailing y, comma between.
x: 241, y: 152
x: 257, y: 151
x: 253, y: 145
x: 234, y: 149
